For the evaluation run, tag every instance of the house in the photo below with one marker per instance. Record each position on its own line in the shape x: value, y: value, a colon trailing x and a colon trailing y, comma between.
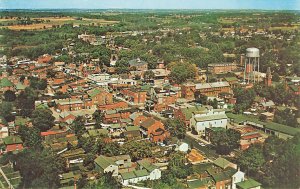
x: 13, y: 143
x: 100, y: 97
x: 184, y: 112
x: 66, y: 117
x: 6, y: 84
x: 135, y: 96
x: 248, y: 184
x: 188, y: 91
x: 144, y: 171
x: 268, y: 115
x: 233, y: 81
x: 132, y: 132
x: 67, y: 179
x: 182, y: 147
x: 154, y: 130
x: 113, y: 164
x: 4, y: 132
x: 87, y: 38
x: 220, y: 174
x: 266, y: 105
x: 208, y: 118
x: 115, y: 116
x: 69, y: 105
x: 249, y: 136
x: 138, y: 64
x: 112, y: 106
x: 104, y: 164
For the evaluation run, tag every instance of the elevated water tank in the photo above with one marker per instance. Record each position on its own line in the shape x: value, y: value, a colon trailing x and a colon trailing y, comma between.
x: 252, y: 53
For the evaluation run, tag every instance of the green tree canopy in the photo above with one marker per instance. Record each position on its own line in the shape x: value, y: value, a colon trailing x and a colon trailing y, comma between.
x: 42, y: 119
x: 181, y: 71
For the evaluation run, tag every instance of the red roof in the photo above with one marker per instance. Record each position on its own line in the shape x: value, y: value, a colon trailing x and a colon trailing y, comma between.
x: 50, y: 133
x: 14, y: 147
x: 256, y: 135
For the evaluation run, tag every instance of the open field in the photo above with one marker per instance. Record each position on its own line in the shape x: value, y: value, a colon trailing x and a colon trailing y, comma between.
x: 49, y: 22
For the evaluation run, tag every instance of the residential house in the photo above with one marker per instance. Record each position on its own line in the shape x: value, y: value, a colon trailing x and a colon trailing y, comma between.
x: 138, y: 64
x: 233, y: 81
x: 135, y: 96
x: 188, y: 91
x: 154, y: 130
x: 145, y: 171
x: 66, y: 117
x: 113, y: 164
x: 112, y: 106
x: 13, y: 144
x: 6, y: 84
x: 249, y: 136
x: 69, y: 105
x: 248, y: 184
x: 100, y: 97
x: 132, y: 132
x: 4, y: 132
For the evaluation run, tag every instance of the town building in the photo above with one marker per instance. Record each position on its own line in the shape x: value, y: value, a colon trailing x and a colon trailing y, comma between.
x: 218, y: 68
x: 208, y: 118
x: 154, y: 130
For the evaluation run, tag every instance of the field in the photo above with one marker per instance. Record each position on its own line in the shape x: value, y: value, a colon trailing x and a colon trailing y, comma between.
x: 49, y: 22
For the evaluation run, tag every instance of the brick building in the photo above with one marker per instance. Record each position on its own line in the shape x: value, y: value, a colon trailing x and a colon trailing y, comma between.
x: 154, y: 130
x: 213, y: 89
x: 218, y: 68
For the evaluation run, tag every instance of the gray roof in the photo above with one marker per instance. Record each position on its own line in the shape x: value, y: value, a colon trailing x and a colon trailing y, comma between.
x: 137, y: 62
x: 212, y: 85
x: 210, y: 118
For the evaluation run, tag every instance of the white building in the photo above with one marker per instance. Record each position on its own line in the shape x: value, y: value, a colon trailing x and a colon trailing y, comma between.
x: 209, y: 118
x: 239, y: 176
x: 145, y: 171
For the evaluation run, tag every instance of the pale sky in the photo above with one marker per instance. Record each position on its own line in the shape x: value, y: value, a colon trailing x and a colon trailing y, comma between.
x: 151, y: 4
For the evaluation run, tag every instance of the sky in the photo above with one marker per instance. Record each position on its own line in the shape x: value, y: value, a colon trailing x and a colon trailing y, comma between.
x: 151, y: 4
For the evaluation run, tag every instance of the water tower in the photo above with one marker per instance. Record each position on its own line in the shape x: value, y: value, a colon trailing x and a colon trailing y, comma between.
x: 251, y: 65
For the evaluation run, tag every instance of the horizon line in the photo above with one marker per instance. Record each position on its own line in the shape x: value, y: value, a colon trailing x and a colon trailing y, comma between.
x: 1, y: 8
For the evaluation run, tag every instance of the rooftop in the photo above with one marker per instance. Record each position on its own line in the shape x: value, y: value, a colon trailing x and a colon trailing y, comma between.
x: 104, y: 161
x: 247, y: 184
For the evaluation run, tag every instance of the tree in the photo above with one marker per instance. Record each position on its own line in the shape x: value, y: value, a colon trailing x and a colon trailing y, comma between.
x: 176, y: 127
x: 276, y: 77
x: 25, y: 101
x: 6, y: 111
x: 244, y: 98
x: 98, y: 116
x: 111, y: 149
x: 225, y: 141
x: 31, y: 137
x: 252, y: 159
x: 148, y: 75
x: 78, y: 125
x: 137, y: 149
x: 42, y: 119
x: 9, y: 96
x: 181, y: 71
x: 39, y: 169
x: 177, y: 165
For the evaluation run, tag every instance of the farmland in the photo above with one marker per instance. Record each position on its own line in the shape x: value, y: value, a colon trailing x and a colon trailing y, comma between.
x: 41, y: 23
